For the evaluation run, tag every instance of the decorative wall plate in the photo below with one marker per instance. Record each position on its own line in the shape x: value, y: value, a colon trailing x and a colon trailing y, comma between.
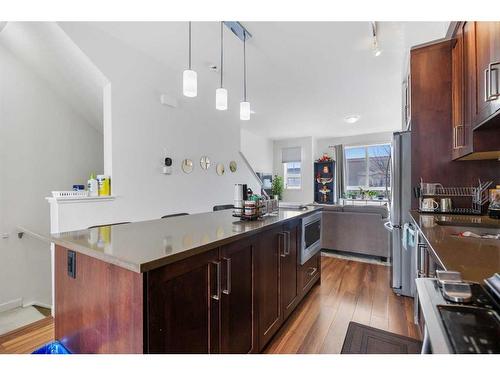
x: 205, y: 162
x: 220, y: 169
x: 187, y: 166
x: 233, y: 166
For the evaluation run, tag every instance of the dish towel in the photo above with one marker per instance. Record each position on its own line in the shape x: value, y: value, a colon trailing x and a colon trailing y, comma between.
x: 408, y: 236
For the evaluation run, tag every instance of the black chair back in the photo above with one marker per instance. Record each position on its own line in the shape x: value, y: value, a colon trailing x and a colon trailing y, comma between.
x: 173, y: 215
x: 223, y: 207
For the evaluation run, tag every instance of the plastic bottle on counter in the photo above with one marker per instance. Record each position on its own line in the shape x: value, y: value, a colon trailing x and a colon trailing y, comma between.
x: 104, y: 185
x: 92, y: 186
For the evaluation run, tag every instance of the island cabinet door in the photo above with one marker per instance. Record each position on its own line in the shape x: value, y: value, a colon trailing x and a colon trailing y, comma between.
x: 289, y: 261
x: 237, y: 304
x: 270, y: 246
x: 183, y: 306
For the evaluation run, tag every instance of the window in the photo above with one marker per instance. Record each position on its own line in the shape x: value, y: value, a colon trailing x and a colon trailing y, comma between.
x: 291, y: 173
x: 291, y: 158
x: 368, y: 167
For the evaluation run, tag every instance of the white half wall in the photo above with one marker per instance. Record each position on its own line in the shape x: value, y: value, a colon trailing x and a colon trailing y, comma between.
x: 305, y: 194
x: 258, y: 150
x: 44, y: 145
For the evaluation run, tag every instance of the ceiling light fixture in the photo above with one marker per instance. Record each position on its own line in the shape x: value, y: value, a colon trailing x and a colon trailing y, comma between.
x: 244, y: 105
x: 376, y: 50
x: 221, y: 92
x: 352, y: 119
x: 189, y: 77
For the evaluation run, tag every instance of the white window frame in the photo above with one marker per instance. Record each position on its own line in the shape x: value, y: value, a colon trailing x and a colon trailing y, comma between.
x: 367, y: 158
x: 285, y: 176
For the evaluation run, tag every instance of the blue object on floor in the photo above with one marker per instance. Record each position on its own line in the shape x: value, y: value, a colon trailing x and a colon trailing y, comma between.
x: 54, y: 347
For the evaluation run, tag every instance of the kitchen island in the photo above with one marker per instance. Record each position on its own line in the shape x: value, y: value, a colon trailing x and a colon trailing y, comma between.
x: 204, y: 283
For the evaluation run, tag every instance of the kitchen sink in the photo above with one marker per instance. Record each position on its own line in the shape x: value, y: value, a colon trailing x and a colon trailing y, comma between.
x: 457, y: 228
x: 469, y: 225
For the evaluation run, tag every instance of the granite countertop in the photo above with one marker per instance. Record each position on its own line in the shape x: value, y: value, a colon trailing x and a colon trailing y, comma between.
x: 146, y: 245
x: 476, y: 258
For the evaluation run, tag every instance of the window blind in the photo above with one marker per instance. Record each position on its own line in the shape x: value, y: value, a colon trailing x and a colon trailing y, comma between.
x: 291, y: 154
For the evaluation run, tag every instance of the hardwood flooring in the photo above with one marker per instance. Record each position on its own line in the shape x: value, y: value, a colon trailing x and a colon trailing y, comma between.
x: 349, y: 290
x: 28, y: 338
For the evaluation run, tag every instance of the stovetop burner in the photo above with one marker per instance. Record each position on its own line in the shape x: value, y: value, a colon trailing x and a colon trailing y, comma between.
x: 473, y: 327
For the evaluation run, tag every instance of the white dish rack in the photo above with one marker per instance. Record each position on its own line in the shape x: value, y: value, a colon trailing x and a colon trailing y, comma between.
x: 70, y: 194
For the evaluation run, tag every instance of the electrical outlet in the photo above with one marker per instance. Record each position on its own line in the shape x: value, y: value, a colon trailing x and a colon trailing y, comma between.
x: 72, y: 264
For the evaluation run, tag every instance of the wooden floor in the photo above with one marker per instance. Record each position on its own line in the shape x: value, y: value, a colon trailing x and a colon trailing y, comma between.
x: 28, y: 338
x: 349, y: 290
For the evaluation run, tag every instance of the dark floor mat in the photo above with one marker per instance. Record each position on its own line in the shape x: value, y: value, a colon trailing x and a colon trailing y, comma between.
x: 361, y: 339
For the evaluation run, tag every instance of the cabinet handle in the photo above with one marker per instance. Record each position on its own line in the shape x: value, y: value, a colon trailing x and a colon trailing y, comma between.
x: 287, y: 248
x: 313, y: 271
x: 217, y: 296
x: 488, y: 84
x: 228, y: 276
x: 282, y: 235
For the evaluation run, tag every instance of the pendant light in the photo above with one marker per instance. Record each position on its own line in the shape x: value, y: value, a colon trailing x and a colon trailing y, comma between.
x: 244, y: 105
x: 221, y: 92
x: 189, y: 77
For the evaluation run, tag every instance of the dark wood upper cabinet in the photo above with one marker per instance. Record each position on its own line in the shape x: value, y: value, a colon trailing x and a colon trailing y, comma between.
x: 183, y: 306
x: 475, y: 115
x: 461, y: 144
x: 487, y: 51
x: 289, y: 259
x: 237, y: 304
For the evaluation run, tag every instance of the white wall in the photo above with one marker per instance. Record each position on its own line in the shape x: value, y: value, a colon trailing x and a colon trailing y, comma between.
x: 258, y: 150
x: 305, y: 194
x: 323, y: 144
x: 44, y: 145
x: 142, y: 129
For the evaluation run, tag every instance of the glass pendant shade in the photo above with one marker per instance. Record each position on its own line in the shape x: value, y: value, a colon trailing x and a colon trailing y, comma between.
x: 245, y: 111
x: 190, y: 83
x: 221, y: 99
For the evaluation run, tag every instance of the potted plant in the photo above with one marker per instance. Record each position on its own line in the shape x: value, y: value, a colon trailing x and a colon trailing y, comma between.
x: 277, y: 187
x: 372, y: 194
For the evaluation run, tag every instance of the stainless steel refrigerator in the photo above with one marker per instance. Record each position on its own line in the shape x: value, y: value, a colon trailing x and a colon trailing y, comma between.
x: 402, y: 255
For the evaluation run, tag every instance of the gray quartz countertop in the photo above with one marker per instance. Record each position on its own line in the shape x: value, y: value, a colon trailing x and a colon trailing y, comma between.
x: 476, y: 258
x: 146, y: 245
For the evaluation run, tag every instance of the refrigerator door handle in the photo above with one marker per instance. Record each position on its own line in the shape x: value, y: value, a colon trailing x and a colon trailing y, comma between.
x: 388, y: 226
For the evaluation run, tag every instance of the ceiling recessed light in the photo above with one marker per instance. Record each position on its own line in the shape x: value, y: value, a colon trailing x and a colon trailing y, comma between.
x: 351, y: 119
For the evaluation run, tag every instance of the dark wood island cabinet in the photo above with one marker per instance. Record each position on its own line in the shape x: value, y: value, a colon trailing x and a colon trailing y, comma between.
x: 225, y: 296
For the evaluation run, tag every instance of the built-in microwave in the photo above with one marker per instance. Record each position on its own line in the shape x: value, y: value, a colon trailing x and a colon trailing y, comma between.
x: 311, y: 236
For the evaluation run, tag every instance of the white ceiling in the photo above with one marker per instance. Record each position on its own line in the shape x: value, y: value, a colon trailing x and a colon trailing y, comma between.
x: 49, y: 53
x: 303, y: 77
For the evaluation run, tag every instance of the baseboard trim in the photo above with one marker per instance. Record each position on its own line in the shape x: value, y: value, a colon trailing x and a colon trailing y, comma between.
x: 41, y: 304
x: 9, y: 305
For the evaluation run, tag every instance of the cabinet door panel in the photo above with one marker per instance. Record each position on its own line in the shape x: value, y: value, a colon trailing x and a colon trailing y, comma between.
x: 181, y: 307
x: 487, y: 48
x: 237, y: 317
x: 288, y: 280
x: 268, y: 284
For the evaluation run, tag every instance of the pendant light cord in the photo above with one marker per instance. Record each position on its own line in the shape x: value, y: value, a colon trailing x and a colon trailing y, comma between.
x: 244, y: 67
x: 221, y: 53
x: 189, y: 45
